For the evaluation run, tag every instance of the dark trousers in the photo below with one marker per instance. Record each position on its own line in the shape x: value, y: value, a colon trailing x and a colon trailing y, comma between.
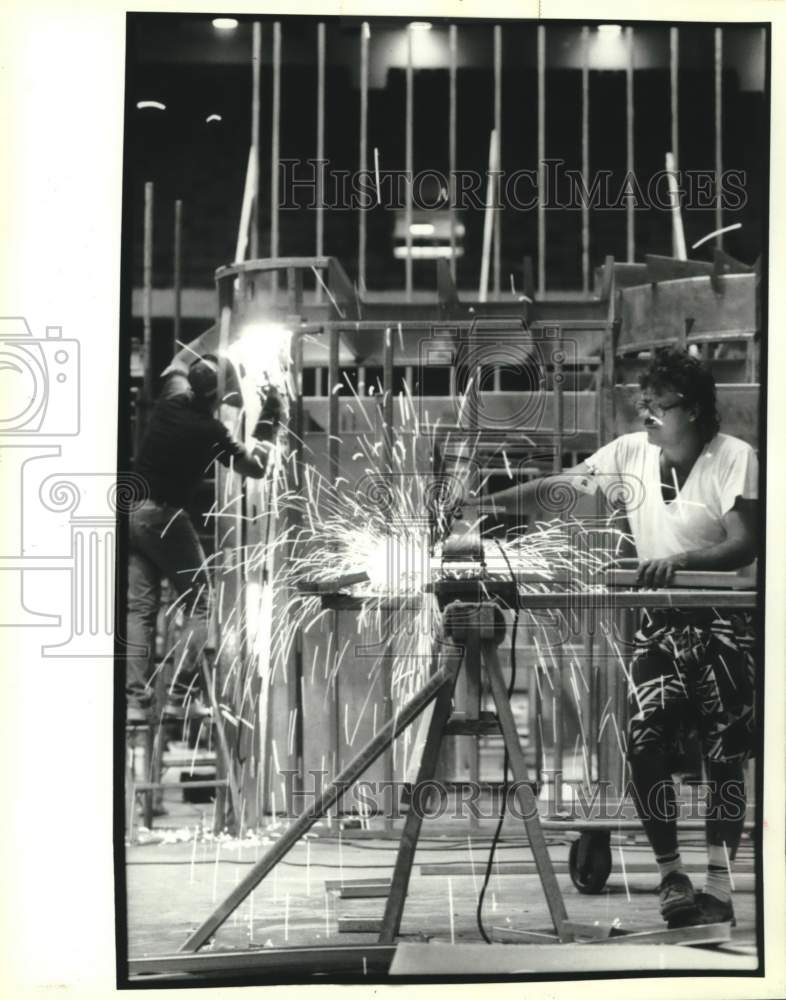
x: 163, y: 543
x: 692, y: 670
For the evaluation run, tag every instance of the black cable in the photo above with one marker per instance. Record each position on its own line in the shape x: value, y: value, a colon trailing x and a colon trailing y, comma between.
x: 506, y: 759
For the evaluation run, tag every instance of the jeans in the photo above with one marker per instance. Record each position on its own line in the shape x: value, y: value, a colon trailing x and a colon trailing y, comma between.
x: 162, y: 543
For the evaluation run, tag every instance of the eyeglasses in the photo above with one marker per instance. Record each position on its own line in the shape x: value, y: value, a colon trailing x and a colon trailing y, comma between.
x: 656, y: 410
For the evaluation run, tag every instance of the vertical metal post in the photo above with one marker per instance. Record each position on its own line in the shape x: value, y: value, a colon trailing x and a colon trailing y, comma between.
x: 256, y: 98
x: 320, y: 147
x: 585, y: 234
x: 389, y: 620
x: 453, y: 52
x: 674, y: 67
x: 674, y: 57
x: 498, y: 132
x: 631, y: 246
x: 408, y: 168
x: 333, y: 474
x: 275, y: 149
x: 541, y: 158
x: 177, y: 278
x: 558, y: 381
x: 718, y: 134
x: 147, y: 313
x: 363, y: 152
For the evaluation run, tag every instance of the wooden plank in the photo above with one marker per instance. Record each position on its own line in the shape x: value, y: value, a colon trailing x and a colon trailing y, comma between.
x: 337, y: 884
x: 560, y: 867
x: 701, y: 935
x: 656, y: 313
x: 479, y: 959
x: 379, y: 891
x: 357, y: 959
x: 359, y: 925
x: 687, y: 578
x: 661, y: 268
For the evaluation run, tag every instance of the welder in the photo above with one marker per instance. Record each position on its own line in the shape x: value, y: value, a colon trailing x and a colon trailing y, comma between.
x: 690, y: 497
x: 181, y: 441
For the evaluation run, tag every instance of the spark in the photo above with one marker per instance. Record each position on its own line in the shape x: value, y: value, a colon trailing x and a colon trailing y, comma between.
x: 624, y: 873
x: 450, y: 911
x: 215, y: 870
x: 716, y: 232
x: 376, y: 175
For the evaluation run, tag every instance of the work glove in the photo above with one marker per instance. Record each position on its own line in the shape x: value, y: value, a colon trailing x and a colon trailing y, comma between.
x: 270, y: 415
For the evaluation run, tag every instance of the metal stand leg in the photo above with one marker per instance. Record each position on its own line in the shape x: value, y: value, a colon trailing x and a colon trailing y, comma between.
x: 527, y: 802
x: 394, y: 907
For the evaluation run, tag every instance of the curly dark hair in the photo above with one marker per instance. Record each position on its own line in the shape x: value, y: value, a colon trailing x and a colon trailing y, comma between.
x: 673, y: 368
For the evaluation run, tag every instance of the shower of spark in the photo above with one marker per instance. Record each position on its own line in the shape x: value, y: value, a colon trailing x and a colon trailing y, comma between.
x: 383, y: 520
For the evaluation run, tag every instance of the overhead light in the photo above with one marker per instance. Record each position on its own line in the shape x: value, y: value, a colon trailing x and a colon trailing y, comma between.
x: 426, y: 253
x: 157, y: 105
x: 422, y: 229
x: 214, y: 118
x: 225, y: 23
x: 610, y: 29
x: 420, y: 26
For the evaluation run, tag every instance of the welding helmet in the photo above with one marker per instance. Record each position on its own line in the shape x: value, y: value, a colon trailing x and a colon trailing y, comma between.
x: 203, y: 376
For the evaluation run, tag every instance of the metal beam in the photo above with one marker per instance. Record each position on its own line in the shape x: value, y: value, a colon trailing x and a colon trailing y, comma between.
x: 275, y: 147
x: 453, y: 55
x: 718, y: 135
x: 256, y: 100
x: 177, y: 277
x: 498, y: 133
x: 320, y: 220
x: 541, y: 158
x: 408, y: 166
x: 585, y: 231
x: 629, y: 113
x: 363, y: 151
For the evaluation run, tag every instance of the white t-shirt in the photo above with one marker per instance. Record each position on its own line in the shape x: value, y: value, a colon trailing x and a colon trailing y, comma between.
x: 628, y: 471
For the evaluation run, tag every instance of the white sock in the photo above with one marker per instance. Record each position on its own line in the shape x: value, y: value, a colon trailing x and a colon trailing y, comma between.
x: 718, y: 879
x: 668, y: 863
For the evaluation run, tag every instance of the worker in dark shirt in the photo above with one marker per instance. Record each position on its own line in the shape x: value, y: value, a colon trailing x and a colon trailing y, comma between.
x: 182, y: 440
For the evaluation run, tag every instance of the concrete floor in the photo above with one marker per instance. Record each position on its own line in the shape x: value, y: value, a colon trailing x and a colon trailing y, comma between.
x: 173, y: 886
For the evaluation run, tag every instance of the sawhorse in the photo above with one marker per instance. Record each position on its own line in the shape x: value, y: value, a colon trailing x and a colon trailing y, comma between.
x: 479, y: 628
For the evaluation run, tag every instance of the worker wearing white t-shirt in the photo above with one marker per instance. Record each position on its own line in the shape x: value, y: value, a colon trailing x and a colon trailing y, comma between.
x: 690, y: 497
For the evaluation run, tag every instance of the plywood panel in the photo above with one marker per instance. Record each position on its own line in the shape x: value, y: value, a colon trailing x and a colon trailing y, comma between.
x: 658, y: 312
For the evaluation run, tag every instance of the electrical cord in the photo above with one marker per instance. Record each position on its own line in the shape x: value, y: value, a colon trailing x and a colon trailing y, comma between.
x: 506, y: 759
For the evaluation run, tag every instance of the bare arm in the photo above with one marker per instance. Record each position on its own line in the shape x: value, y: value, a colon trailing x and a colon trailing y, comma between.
x: 524, y: 497
x: 738, y: 549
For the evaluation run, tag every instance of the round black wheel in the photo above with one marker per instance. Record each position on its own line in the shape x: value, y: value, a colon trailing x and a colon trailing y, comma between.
x: 589, y: 862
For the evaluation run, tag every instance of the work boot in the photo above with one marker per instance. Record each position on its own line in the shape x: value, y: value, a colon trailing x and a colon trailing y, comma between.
x: 677, y: 898
x: 713, y: 910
